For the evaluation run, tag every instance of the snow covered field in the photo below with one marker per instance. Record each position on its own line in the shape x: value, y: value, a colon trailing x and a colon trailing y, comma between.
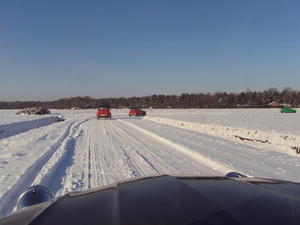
x: 82, y: 152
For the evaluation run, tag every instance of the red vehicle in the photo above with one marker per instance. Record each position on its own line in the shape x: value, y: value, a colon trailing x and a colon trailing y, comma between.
x: 136, y: 112
x: 103, y: 112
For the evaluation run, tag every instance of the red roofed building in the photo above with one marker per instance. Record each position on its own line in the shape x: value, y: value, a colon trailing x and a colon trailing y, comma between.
x: 273, y: 104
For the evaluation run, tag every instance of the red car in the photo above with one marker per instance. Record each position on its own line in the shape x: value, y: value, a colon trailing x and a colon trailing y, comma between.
x: 136, y: 112
x: 103, y: 112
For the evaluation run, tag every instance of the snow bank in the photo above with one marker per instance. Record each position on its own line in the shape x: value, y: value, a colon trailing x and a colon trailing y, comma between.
x: 10, y: 129
x: 286, y: 140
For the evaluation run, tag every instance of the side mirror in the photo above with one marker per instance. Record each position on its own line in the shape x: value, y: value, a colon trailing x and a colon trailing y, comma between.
x: 34, y: 195
x: 234, y: 175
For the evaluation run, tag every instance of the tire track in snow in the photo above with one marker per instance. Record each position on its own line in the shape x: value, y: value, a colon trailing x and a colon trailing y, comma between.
x: 118, y: 154
x: 94, y: 157
x: 105, y: 153
x: 107, y: 164
x: 28, y: 178
x: 53, y: 170
x: 162, y: 157
x: 219, y: 167
x: 138, y: 154
x: 146, y: 153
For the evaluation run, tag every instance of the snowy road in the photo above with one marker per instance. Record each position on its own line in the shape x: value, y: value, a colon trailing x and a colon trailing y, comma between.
x: 97, y: 153
x: 82, y: 153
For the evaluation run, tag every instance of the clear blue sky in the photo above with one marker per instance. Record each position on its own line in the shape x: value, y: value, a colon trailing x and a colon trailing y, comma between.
x: 106, y: 48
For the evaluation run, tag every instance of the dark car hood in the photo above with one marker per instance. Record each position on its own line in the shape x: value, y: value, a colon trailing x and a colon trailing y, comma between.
x: 165, y: 199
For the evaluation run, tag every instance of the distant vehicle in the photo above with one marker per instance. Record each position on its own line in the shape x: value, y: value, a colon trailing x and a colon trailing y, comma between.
x: 287, y: 110
x: 103, y: 112
x: 59, y: 119
x: 165, y: 199
x: 136, y: 112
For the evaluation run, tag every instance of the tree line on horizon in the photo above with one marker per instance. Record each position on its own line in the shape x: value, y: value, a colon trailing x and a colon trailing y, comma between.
x: 287, y: 97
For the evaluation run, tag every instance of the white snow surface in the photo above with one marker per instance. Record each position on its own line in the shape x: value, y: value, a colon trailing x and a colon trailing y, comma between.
x: 82, y: 152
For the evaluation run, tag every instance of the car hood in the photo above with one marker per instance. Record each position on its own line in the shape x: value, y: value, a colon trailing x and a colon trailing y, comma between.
x: 172, y: 199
